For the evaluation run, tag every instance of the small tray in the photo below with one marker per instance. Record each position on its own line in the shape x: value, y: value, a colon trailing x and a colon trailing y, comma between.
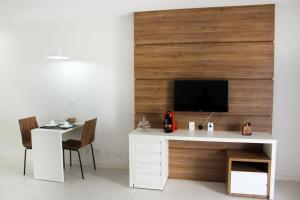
x: 67, y: 127
x: 57, y: 127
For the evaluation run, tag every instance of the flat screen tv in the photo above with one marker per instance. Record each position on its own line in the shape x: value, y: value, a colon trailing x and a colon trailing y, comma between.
x: 201, y: 95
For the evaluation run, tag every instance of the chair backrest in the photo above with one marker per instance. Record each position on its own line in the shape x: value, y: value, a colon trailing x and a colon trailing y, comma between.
x: 88, y: 132
x: 26, y: 125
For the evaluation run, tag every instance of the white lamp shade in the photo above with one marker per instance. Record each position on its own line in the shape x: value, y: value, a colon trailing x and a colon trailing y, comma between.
x: 57, y: 54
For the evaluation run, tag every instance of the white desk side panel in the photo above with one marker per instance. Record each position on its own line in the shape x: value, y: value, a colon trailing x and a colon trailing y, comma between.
x: 270, y: 150
x: 165, y: 162
x: 131, y: 161
x: 47, y: 155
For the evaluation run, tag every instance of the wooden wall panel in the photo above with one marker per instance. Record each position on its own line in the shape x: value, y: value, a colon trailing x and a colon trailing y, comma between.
x: 209, y: 60
x: 246, y: 97
x: 153, y: 96
x: 222, y: 122
x: 231, y: 43
x: 213, y: 145
x: 195, y: 164
x: 201, y: 160
x: 223, y: 24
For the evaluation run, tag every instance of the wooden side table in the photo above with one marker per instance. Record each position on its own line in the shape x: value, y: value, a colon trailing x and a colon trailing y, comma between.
x: 248, y: 173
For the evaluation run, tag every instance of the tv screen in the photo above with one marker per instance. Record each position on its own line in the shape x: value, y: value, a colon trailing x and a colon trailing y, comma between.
x: 201, y: 95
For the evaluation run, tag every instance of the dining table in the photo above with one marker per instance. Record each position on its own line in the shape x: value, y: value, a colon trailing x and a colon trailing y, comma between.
x: 47, y: 150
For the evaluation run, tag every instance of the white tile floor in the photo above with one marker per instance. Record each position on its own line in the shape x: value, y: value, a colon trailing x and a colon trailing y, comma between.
x: 112, y: 184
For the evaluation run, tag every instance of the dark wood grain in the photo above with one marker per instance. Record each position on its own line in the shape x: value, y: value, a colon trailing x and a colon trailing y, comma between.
x: 226, y: 43
x: 209, y: 60
x: 218, y: 24
x: 26, y: 125
x: 240, y: 156
x: 248, y: 156
x: 213, y: 145
x: 246, y: 97
x: 201, y: 160
x: 221, y: 122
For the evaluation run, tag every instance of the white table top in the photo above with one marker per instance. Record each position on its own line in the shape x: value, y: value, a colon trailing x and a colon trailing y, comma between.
x: 215, y: 136
x: 61, y: 131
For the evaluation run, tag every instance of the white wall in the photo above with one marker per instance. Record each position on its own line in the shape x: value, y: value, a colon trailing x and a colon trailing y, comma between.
x: 98, y: 80
x: 286, y: 111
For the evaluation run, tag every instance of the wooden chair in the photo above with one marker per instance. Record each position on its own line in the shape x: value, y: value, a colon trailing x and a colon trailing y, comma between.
x: 87, y: 137
x: 26, y: 125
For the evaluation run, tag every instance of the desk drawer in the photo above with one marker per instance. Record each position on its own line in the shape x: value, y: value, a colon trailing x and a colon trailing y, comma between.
x: 249, y: 178
x: 145, y: 146
x: 148, y: 169
x: 249, y: 189
x: 148, y: 158
x: 149, y: 179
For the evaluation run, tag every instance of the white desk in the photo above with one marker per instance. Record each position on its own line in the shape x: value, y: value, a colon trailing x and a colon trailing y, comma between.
x: 47, y: 153
x: 148, y: 153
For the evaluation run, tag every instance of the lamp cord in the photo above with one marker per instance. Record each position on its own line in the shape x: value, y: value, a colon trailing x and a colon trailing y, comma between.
x: 206, y: 121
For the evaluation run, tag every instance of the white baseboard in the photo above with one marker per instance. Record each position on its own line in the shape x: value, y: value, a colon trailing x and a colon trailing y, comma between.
x: 288, y: 178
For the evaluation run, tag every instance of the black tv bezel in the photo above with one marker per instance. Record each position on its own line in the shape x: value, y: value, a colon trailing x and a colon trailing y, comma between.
x: 204, y: 80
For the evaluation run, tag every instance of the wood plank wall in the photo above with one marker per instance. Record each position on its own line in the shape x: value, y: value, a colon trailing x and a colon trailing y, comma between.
x: 224, y: 43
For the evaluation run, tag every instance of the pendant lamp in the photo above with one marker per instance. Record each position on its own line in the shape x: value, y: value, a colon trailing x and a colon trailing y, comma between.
x: 57, y: 54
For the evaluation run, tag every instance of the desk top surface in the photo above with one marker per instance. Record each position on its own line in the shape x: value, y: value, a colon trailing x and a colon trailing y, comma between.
x: 215, y: 136
x: 60, y: 131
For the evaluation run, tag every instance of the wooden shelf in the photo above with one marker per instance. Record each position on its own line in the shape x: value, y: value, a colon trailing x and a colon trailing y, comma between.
x: 249, y: 167
x: 248, y: 156
x: 248, y: 173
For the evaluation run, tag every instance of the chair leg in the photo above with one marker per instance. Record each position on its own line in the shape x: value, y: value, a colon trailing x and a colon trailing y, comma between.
x: 93, y: 156
x: 64, y: 158
x: 70, y: 158
x: 80, y: 164
x: 24, y: 162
